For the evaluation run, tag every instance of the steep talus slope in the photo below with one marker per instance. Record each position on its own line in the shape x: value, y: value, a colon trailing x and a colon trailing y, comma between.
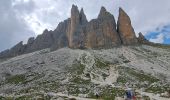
x: 82, y: 72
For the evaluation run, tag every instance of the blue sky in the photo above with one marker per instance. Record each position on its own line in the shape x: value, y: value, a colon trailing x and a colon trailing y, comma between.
x: 160, y: 35
x: 21, y: 19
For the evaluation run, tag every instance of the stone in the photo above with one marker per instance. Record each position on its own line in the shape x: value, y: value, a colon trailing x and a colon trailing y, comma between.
x: 125, y: 29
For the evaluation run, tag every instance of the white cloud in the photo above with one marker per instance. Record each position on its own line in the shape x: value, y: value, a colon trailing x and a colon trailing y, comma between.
x: 145, y: 15
x: 159, y: 39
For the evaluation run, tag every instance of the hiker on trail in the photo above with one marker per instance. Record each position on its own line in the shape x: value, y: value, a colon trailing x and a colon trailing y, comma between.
x: 97, y: 95
x: 130, y: 95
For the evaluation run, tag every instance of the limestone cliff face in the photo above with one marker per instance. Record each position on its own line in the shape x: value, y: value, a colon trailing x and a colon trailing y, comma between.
x: 75, y: 29
x: 125, y: 28
x: 60, y: 35
x: 42, y: 41
x: 77, y: 32
x: 18, y: 49
x: 101, y: 32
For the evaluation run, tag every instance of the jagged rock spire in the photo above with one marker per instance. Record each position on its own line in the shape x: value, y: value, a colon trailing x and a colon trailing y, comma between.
x: 74, y: 15
x: 102, y: 12
x: 125, y: 28
x: 83, y: 19
x: 45, y: 31
x: 101, y: 32
x: 75, y: 20
x: 142, y: 39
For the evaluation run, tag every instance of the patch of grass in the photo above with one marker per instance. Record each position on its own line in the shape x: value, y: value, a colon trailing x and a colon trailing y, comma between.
x: 141, y: 76
x: 35, y: 76
x: 33, y: 96
x: 79, y: 80
x: 77, y: 89
x: 2, y: 98
x: 158, y: 89
x: 101, y: 64
x: 7, y: 98
x: 77, y: 68
x: 108, y: 93
x: 121, y: 79
x: 23, y: 98
x: 154, y: 89
x: 27, y: 90
x: 16, y: 79
x: 146, y: 97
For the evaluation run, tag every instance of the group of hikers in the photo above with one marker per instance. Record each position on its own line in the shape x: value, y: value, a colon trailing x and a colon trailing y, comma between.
x: 129, y: 94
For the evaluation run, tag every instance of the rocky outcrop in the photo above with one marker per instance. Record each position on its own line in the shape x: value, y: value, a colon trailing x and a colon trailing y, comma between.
x: 30, y: 40
x: 60, y: 35
x: 18, y: 49
x: 83, y: 19
x: 142, y: 39
x: 101, y: 32
x: 42, y: 41
x: 77, y: 32
x: 125, y: 29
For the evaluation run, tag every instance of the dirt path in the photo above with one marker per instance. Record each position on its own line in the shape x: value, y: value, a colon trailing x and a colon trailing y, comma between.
x: 113, y: 75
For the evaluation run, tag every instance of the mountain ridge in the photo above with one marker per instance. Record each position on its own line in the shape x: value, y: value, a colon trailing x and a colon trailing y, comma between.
x: 78, y: 32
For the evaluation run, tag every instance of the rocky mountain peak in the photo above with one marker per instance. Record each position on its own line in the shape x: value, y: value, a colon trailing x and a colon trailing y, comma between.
x: 125, y: 28
x: 142, y: 38
x: 103, y: 12
x: 121, y: 11
x: 45, y: 31
x: 30, y: 40
x: 83, y: 19
x: 74, y: 11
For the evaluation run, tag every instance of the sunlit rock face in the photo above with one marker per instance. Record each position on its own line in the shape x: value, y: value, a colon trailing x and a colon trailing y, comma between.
x: 101, y: 32
x: 125, y: 28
